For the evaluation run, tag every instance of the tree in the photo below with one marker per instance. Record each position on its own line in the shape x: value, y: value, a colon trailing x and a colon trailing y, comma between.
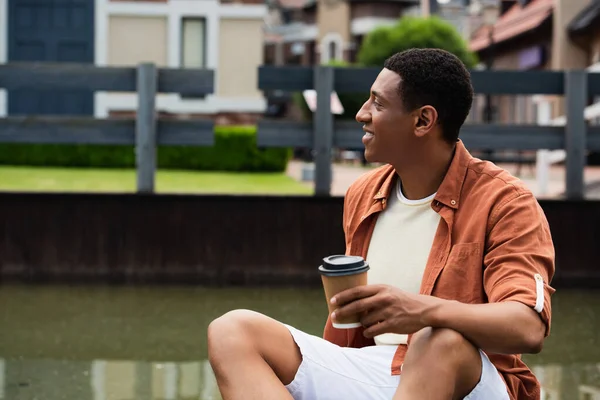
x: 413, y: 32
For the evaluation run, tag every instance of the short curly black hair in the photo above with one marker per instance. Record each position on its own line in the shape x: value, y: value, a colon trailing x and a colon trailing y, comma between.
x: 437, y: 78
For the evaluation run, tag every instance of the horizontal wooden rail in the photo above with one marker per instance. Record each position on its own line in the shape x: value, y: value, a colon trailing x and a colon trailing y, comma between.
x: 348, y: 135
x: 15, y: 76
x: 356, y: 80
x: 84, y: 130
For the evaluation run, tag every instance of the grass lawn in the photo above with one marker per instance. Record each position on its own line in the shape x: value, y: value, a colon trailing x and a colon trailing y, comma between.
x: 42, y: 179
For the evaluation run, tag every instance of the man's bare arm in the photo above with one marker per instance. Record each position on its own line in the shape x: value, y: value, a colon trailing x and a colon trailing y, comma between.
x: 508, y: 327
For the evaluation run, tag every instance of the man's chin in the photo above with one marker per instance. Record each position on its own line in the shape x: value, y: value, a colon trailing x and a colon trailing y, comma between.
x: 370, y: 157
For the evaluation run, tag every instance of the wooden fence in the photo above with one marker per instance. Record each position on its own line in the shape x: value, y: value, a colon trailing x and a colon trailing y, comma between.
x: 217, y: 240
x: 145, y: 131
x: 323, y: 134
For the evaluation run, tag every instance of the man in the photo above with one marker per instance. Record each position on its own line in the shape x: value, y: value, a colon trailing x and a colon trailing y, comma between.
x: 461, y: 258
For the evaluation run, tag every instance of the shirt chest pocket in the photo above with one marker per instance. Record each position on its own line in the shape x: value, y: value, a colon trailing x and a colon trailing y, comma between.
x: 461, y: 278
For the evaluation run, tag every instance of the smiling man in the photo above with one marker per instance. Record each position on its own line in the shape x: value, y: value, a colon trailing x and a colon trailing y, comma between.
x: 461, y: 258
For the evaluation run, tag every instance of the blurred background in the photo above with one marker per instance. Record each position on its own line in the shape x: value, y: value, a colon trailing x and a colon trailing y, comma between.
x: 158, y: 167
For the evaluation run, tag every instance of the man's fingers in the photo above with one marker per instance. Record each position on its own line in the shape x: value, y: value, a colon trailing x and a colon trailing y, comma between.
x: 377, y: 329
x: 353, y: 308
x: 369, y: 318
x: 355, y: 293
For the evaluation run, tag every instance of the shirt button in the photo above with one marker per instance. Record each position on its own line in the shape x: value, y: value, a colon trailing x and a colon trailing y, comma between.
x: 453, y: 202
x: 363, y: 217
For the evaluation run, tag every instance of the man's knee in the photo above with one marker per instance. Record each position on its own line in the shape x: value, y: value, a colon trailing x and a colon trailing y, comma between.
x: 233, y: 319
x: 242, y: 335
x: 446, y: 343
x: 230, y: 333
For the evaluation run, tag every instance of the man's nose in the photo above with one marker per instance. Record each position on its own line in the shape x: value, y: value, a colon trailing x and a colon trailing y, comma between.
x: 363, y: 114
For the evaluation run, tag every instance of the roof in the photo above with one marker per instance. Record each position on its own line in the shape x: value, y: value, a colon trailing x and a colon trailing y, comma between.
x: 587, y: 18
x: 516, y: 21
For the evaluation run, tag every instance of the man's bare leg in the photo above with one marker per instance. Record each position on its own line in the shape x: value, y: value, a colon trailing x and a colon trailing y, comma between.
x: 252, y: 356
x: 439, y: 364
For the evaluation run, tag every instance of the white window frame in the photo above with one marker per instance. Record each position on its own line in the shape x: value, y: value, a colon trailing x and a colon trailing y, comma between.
x: 326, y: 41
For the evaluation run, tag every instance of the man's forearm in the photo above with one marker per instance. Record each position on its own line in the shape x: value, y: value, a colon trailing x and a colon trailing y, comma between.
x: 505, y: 328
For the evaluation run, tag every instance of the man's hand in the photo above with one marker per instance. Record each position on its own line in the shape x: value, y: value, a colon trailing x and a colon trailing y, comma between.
x: 385, y: 309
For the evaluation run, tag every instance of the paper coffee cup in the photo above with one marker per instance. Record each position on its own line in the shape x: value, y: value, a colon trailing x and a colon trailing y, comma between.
x: 339, y: 273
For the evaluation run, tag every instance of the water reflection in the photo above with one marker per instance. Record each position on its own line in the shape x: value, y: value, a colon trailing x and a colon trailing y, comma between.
x: 122, y: 343
x: 124, y: 380
x: 107, y: 380
x: 563, y: 382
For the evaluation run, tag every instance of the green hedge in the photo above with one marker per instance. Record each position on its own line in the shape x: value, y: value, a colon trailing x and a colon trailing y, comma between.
x: 234, y: 150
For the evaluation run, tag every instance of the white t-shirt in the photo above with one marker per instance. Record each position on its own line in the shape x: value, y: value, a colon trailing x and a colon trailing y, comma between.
x: 400, y: 246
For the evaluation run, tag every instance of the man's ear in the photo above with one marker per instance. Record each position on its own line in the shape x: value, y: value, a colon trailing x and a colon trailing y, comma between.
x: 426, y: 119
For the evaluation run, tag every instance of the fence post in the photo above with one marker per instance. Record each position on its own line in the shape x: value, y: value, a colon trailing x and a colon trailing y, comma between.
x: 323, y: 130
x: 145, y: 127
x: 576, y: 132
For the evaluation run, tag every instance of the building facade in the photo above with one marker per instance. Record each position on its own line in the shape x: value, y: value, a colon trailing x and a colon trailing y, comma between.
x: 535, y: 34
x: 170, y: 33
x: 308, y: 32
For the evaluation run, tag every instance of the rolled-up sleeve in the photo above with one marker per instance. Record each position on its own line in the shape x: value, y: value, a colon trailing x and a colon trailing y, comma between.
x: 519, y: 260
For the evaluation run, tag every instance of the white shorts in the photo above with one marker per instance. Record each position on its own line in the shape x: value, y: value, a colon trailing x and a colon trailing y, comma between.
x: 331, y: 372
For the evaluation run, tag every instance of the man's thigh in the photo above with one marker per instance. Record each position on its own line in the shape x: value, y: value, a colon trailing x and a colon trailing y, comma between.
x: 491, y: 386
x: 330, y: 372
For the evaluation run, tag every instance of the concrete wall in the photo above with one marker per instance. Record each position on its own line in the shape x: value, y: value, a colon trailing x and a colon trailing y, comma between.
x: 565, y: 53
x: 333, y: 18
x: 333, y: 22
x: 240, y: 54
x: 135, y: 39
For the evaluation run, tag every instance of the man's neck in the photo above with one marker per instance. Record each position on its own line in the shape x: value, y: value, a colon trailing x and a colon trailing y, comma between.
x: 423, y: 177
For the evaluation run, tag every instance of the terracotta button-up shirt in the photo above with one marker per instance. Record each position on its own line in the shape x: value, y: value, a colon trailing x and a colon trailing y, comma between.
x: 493, y: 244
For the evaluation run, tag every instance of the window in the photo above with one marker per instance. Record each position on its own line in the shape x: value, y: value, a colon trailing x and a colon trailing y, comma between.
x: 193, y: 43
x: 332, y: 50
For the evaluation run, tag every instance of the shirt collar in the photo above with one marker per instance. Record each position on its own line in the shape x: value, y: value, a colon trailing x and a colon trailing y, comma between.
x: 450, y: 189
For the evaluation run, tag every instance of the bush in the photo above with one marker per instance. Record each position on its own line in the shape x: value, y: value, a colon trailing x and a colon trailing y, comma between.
x: 234, y: 150
x: 414, y: 32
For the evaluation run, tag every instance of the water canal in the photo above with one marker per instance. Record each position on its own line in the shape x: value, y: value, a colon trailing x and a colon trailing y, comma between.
x: 149, y: 343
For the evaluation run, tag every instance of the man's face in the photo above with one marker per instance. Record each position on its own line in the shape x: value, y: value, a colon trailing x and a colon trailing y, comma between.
x: 389, y: 129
